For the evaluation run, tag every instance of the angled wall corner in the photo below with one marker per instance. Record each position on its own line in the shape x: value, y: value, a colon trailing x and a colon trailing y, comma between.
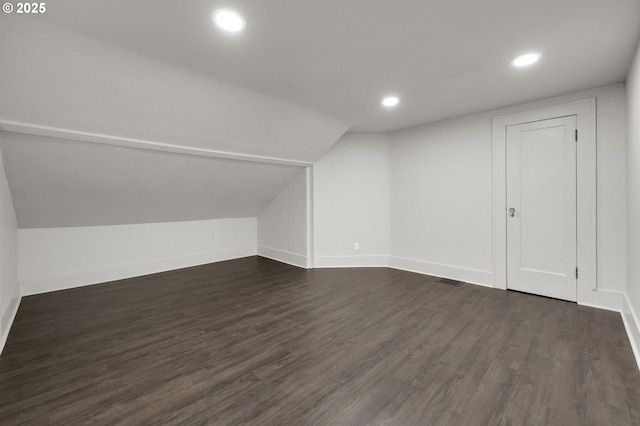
x: 631, y: 312
x: 283, y: 226
x: 9, y: 287
x: 351, y: 203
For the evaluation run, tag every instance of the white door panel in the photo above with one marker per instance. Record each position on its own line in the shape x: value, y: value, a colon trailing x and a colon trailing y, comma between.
x: 541, y: 190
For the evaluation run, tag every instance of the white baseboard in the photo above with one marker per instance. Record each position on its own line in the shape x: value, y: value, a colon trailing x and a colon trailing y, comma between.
x: 294, y: 259
x: 7, y: 319
x: 97, y: 276
x: 472, y: 276
x: 632, y: 325
x: 604, y: 299
x: 351, y: 261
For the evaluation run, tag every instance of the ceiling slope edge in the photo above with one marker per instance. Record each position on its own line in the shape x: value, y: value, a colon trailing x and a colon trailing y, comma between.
x: 54, y: 78
x: 74, y: 135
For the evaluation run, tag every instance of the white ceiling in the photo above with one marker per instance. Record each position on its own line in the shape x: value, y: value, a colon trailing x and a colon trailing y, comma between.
x: 443, y: 58
x: 54, y: 77
x: 58, y: 183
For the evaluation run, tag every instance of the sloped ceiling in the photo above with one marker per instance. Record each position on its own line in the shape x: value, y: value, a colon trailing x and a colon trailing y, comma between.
x: 302, y: 74
x: 72, y: 85
x: 59, y: 183
x: 53, y: 77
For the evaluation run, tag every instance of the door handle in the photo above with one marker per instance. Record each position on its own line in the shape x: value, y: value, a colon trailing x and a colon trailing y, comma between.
x: 512, y: 212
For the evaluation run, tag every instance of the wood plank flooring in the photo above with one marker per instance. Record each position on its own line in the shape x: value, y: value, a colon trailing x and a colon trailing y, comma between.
x: 255, y: 342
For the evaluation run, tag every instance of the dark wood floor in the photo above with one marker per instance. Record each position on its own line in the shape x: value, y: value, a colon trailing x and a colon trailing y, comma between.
x: 256, y: 342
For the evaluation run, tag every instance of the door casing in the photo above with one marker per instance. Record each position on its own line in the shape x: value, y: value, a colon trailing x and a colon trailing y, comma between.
x: 585, y: 112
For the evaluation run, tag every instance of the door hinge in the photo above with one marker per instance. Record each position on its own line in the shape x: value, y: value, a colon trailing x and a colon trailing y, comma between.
x: 576, y: 273
x: 576, y: 135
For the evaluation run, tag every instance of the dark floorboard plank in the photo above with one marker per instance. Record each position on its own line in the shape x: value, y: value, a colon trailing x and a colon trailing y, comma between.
x: 256, y: 342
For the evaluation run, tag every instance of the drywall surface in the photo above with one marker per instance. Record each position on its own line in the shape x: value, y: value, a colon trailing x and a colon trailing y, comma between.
x: 9, y: 290
x: 441, y: 192
x: 447, y: 58
x: 611, y: 188
x: 57, y: 258
x: 351, y: 202
x: 61, y: 183
x: 65, y: 80
x: 282, y: 226
x: 441, y: 198
x: 633, y: 186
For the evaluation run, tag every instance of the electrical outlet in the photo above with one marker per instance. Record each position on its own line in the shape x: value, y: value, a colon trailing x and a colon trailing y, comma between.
x: 356, y: 246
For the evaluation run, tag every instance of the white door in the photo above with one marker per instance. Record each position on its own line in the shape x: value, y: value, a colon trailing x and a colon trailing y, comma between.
x: 541, y: 207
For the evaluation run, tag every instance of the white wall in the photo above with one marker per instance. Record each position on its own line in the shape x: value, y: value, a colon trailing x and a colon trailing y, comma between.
x: 351, y: 202
x: 58, y: 258
x: 282, y: 226
x: 441, y: 203
x: 632, y: 300
x: 441, y: 186
x: 611, y: 188
x: 9, y: 289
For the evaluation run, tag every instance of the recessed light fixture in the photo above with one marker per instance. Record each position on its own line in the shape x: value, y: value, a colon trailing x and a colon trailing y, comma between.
x: 526, y: 59
x: 390, y: 101
x: 229, y: 20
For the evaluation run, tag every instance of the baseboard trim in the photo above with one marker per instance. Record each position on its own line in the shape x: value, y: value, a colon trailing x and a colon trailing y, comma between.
x: 97, y: 276
x: 373, y: 261
x: 632, y: 326
x: 472, y: 276
x: 12, y: 311
x: 605, y: 299
x: 283, y: 256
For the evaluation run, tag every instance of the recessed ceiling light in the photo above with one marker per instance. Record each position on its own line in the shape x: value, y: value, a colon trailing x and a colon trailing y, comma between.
x: 390, y: 101
x: 229, y: 20
x: 526, y: 59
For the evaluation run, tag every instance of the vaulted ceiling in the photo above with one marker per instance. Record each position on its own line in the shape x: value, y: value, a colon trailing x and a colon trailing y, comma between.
x: 61, y: 183
x: 157, y: 74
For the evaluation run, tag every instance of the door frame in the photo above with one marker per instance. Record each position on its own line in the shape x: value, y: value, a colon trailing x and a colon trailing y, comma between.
x: 585, y: 112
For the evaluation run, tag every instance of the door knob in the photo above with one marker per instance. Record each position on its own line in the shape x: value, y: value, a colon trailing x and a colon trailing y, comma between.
x: 512, y: 212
